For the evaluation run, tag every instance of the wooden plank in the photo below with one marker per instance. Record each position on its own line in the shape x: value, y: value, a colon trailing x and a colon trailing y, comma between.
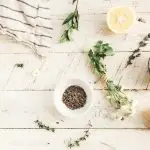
x: 59, y: 66
x: 99, y: 139
x: 92, y: 28
x: 20, y: 110
x: 98, y: 6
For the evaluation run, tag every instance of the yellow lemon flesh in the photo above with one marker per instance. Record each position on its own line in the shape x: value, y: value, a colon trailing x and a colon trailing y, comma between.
x: 120, y: 19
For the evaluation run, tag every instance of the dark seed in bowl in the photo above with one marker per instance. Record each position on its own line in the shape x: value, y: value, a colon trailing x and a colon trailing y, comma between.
x: 74, y: 97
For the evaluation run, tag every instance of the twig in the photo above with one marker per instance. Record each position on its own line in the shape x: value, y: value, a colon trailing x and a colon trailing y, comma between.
x: 43, y: 126
x: 108, y: 145
x: 136, y: 53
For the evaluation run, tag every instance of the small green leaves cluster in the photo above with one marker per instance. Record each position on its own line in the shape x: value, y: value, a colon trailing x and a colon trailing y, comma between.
x: 71, y: 23
x: 116, y: 96
x: 43, y: 126
x: 77, y: 142
x: 97, y: 54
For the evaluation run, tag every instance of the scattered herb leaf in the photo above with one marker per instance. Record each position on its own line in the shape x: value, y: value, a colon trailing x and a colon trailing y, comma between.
x: 116, y: 96
x: 140, y: 19
x: 43, y: 126
x: 19, y: 65
x: 136, y: 53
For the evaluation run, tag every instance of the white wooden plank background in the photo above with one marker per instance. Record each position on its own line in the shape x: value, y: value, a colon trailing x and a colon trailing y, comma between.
x: 25, y: 98
x: 32, y: 105
x: 42, y: 140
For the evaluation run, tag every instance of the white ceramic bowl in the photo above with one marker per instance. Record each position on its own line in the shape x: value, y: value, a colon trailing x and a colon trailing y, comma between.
x: 62, y: 108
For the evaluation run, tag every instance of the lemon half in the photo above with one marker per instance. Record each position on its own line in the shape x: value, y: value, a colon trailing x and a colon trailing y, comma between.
x: 120, y: 19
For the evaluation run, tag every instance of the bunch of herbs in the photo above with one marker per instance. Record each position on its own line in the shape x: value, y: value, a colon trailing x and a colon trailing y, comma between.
x: 115, y: 95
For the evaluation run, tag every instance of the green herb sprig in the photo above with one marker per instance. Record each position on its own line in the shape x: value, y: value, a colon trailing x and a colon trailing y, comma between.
x: 77, y: 142
x: 43, y: 126
x: 71, y: 23
x: 97, y: 54
x: 119, y: 99
x: 136, y: 53
x: 116, y: 96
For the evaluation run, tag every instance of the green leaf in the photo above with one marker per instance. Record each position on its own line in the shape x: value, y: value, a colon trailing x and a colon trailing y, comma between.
x: 64, y: 37
x: 98, y: 52
x: 69, y: 34
x: 109, y: 52
x: 70, y: 17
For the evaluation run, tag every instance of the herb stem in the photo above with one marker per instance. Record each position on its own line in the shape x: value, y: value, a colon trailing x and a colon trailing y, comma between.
x: 43, y: 126
x: 77, y: 2
x: 71, y: 23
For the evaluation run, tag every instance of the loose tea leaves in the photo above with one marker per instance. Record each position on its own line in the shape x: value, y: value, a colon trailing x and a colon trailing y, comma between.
x: 43, y: 126
x: 74, y: 97
x: 136, y: 53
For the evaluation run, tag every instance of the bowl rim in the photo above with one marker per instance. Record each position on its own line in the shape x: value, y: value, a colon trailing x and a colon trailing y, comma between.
x: 64, y: 82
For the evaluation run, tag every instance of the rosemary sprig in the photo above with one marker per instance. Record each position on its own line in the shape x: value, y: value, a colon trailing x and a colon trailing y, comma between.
x: 78, y: 141
x: 43, y: 126
x: 71, y: 23
x: 136, y: 53
x: 116, y: 96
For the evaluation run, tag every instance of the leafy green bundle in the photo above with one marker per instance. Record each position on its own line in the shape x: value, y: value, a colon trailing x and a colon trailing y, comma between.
x: 116, y: 96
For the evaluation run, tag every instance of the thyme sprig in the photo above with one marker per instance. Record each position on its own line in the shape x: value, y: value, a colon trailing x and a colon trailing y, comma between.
x: 119, y: 99
x: 136, y: 53
x: 71, y: 23
x: 43, y: 126
x: 115, y: 95
x: 78, y: 141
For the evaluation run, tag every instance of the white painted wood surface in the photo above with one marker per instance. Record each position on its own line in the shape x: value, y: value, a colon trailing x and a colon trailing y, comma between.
x: 25, y: 98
